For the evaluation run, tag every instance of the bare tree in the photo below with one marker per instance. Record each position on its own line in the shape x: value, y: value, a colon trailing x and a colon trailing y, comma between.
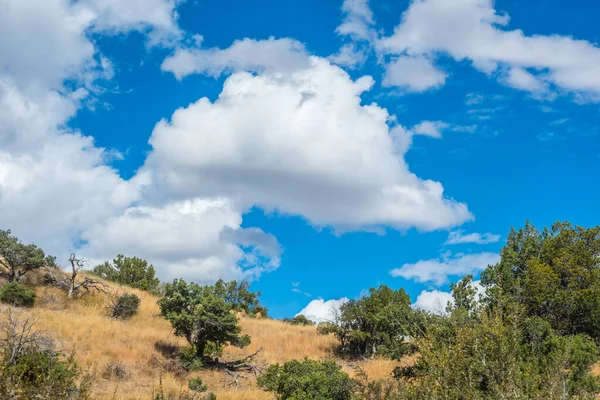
x: 88, y: 284
x: 19, y: 337
x: 71, y: 284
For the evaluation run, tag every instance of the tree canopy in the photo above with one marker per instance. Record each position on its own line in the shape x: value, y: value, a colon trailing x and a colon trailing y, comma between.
x: 130, y: 271
x: 554, y: 274
x: 240, y: 297
x: 202, y: 317
x: 18, y: 259
x: 377, y: 324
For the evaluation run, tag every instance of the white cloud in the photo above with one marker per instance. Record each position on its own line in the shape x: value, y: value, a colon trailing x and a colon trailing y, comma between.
x: 357, y: 27
x: 282, y: 55
x: 437, y: 271
x: 54, y: 182
x: 431, y: 128
x: 350, y: 55
x: 473, y: 30
x: 195, y: 239
x: 520, y: 78
x: 474, y: 98
x: 433, y: 301
x: 413, y: 74
x: 323, y: 311
x: 298, y: 143
x: 157, y: 16
x: 358, y: 20
x: 464, y: 128
x: 459, y: 237
x: 436, y: 301
x: 56, y: 186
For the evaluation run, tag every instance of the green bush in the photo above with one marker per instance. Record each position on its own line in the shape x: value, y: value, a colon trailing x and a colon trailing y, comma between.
x: 299, y: 320
x: 124, y: 306
x: 17, y: 295
x: 307, y: 380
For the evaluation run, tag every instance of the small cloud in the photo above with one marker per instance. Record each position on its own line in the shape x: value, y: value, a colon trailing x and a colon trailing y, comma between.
x: 433, y: 301
x: 464, y: 128
x: 320, y: 310
x: 473, y: 99
x: 436, y: 301
x: 459, y: 237
x: 546, y: 136
x: 437, y: 271
x: 547, y: 109
x: 430, y: 128
x: 296, y: 289
x: 560, y: 121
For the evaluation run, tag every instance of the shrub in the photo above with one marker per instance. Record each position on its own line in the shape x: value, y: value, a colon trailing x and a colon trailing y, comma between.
x: 17, y: 295
x: 299, y: 320
x: 115, y: 370
x: 307, y: 379
x: 33, y: 368
x: 124, y: 306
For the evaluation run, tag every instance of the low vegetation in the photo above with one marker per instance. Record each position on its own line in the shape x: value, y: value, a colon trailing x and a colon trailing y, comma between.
x: 124, y: 306
x: 307, y: 379
x: 299, y: 320
x: 17, y: 295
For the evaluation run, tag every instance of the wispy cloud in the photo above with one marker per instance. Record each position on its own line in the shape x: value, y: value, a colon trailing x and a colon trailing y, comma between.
x: 459, y: 237
x: 437, y: 271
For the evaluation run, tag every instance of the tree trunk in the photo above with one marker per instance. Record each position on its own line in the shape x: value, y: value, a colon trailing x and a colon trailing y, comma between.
x: 200, y: 347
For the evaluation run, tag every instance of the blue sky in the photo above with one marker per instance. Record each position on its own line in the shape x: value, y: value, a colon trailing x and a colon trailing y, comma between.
x: 315, y: 148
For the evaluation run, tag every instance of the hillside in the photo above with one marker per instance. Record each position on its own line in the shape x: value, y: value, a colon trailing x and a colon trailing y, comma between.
x: 99, y: 341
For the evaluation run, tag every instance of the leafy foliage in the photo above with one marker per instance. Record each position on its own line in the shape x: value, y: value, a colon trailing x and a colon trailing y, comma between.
x: 554, y: 273
x: 124, y: 306
x: 201, y: 316
x: 17, y: 295
x: 377, y: 324
x: 18, y: 259
x: 307, y: 380
x: 299, y: 320
x: 498, y: 357
x: 130, y: 271
x: 30, y: 367
x: 240, y: 297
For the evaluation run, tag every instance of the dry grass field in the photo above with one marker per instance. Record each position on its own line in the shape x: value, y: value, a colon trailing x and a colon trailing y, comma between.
x: 82, y: 325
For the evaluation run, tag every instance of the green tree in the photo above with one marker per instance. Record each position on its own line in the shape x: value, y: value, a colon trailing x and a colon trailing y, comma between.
x: 202, y: 317
x: 377, y: 324
x: 240, y: 297
x: 18, y: 259
x: 131, y: 271
x: 307, y: 380
x: 554, y: 273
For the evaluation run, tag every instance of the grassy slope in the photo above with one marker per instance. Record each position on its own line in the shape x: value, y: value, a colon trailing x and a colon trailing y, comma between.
x: 82, y: 325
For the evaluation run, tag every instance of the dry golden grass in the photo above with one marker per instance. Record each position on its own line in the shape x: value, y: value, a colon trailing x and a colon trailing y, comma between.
x: 82, y: 325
